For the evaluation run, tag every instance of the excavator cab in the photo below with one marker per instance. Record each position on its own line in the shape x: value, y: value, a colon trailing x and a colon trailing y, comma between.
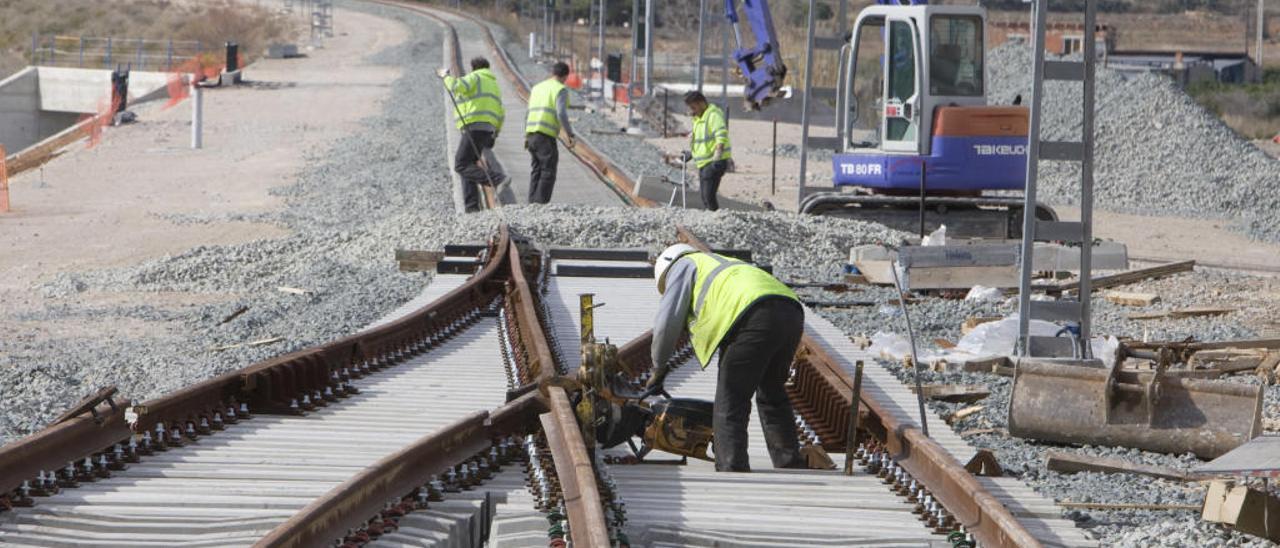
x: 923, y: 106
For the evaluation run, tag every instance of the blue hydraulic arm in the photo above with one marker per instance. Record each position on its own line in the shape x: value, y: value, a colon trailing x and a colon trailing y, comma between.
x: 762, y: 64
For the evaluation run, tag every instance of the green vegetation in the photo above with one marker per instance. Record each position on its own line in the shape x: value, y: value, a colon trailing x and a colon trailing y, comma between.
x: 212, y: 22
x: 1253, y: 110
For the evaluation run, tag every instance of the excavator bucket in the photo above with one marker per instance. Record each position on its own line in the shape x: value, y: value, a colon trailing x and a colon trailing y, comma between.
x: 1085, y: 402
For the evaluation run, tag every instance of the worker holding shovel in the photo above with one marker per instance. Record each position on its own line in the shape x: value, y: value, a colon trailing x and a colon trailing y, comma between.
x: 477, y: 103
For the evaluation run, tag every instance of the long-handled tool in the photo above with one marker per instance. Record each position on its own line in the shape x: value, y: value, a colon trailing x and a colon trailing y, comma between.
x: 684, y: 195
x: 457, y: 111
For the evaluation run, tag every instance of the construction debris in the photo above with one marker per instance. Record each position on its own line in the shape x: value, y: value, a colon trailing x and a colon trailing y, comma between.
x: 1132, y: 276
x: 258, y: 342
x: 973, y: 322
x: 1125, y: 506
x: 1132, y: 299
x: 292, y: 290
x: 418, y: 261
x: 1069, y: 463
x: 1242, y: 508
x: 955, y: 393
x: 958, y: 415
x: 1180, y: 313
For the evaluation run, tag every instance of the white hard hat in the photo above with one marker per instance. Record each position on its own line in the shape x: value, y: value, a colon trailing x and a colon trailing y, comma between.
x: 668, y: 256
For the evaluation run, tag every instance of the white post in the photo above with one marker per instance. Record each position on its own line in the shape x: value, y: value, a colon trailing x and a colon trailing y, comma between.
x: 197, y: 115
x: 533, y: 38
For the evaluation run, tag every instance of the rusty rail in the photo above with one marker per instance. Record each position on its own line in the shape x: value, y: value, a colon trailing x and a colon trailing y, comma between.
x: 291, y: 384
x: 825, y: 389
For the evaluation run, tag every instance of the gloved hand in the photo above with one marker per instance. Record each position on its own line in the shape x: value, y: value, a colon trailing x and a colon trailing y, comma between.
x: 655, y: 384
x: 442, y: 72
x: 685, y: 156
x: 570, y: 141
x: 730, y: 166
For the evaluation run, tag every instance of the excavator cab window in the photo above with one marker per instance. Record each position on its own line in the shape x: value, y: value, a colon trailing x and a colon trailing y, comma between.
x: 865, y: 87
x: 955, y: 55
x: 901, y: 89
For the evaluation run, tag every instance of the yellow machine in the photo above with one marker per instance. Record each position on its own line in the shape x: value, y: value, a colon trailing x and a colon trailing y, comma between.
x: 611, y: 410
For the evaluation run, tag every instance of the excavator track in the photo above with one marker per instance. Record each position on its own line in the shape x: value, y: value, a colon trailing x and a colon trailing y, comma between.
x: 988, y: 217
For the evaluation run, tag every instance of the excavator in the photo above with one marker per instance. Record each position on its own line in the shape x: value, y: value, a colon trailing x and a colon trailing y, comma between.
x: 919, y: 135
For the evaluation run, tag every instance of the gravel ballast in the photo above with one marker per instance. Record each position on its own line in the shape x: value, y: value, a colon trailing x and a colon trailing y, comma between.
x: 342, y: 212
x: 1156, y: 151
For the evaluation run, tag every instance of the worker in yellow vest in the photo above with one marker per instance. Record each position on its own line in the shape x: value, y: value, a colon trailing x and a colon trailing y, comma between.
x: 479, y: 113
x: 548, y: 115
x: 709, y: 143
x: 756, y: 323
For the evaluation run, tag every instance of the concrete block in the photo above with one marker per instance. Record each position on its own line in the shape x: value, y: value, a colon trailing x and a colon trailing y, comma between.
x: 282, y: 51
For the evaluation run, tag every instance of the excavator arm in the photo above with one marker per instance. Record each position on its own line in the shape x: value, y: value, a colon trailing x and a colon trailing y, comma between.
x: 760, y: 64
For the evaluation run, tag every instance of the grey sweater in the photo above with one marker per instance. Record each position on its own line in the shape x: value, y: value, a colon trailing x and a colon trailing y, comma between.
x: 673, y: 313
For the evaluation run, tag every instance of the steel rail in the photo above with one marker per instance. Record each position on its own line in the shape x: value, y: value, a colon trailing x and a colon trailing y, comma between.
x: 289, y: 384
x: 608, y: 172
x: 395, y: 476
x: 571, y: 460
x: 827, y: 390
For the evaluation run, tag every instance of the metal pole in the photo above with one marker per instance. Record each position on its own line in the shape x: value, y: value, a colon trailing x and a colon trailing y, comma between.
x: 197, y: 115
x: 635, y: 21
x: 604, y: 10
x: 724, y: 70
x: 922, y: 232
x: 702, y: 23
x: 648, y: 45
x: 665, y: 93
x: 108, y: 60
x: 1086, y: 184
x: 773, y: 166
x: 1261, y: 23
x: 804, y: 107
x: 81, y: 62
x: 1038, y: 10
x: 915, y: 358
x: 851, y: 437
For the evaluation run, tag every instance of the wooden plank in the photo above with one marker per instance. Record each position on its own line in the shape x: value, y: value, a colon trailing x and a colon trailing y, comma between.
x: 411, y: 260
x: 1126, y: 506
x: 1132, y: 299
x: 1271, y: 344
x: 1068, y: 463
x: 1133, y: 276
x: 1182, y: 313
x: 964, y: 413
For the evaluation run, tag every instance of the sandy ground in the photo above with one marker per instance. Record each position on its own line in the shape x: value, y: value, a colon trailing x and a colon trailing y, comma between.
x: 115, y: 204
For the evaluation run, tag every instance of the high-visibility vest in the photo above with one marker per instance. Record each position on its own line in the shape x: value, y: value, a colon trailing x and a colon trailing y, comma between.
x: 723, y: 289
x: 542, y: 108
x: 479, y: 98
x: 709, y: 130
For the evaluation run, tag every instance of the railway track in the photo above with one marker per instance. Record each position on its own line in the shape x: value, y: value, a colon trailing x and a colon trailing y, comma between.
x: 442, y: 426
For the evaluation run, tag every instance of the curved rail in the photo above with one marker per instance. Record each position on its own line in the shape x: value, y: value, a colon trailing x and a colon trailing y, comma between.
x: 290, y: 384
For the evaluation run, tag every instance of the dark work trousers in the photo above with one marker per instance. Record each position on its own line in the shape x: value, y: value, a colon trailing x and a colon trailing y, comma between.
x: 709, y: 177
x: 755, y: 359
x: 544, y: 156
x: 467, y: 163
